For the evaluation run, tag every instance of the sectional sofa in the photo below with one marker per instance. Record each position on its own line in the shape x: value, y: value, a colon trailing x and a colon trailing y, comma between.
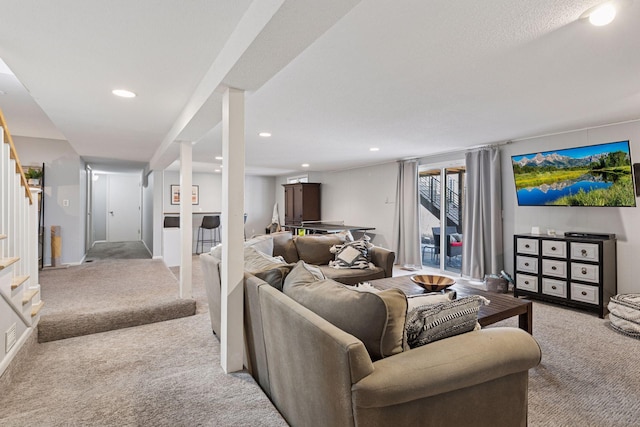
x: 330, y: 355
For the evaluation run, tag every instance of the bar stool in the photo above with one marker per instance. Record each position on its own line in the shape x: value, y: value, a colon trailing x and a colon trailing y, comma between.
x: 211, y: 223
x: 171, y: 222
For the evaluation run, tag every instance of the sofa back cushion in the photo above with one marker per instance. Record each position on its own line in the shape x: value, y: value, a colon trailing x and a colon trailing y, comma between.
x: 283, y: 246
x: 272, y: 270
x: 376, y: 319
x: 316, y: 248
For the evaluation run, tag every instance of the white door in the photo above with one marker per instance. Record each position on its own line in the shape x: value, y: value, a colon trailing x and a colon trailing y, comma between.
x: 123, y: 208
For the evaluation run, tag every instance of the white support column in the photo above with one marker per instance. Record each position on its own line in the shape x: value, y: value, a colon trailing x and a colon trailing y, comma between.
x: 186, y: 219
x: 232, y: 339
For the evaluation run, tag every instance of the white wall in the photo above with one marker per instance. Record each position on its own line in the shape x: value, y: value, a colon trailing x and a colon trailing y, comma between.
x: 64, y: 180
x: 624, y: 222
x: 259, y: 198
x: 362, y: 196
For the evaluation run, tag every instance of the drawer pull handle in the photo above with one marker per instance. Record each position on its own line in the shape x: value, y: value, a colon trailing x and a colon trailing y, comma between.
x: 584, y: 252
x: 553, y: 248
x: 584, y: 293
x: 554, y: 268
x: 526, y: 264
x: 527, y: 246
x: 554, y: 287
x: 584, y: 270
x: 526, y: 282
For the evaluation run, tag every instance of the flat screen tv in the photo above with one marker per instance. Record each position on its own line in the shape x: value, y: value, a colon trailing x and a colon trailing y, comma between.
x: 595, y: 175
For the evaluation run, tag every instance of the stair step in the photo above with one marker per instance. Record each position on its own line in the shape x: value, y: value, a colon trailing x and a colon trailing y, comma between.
x: 28, y: 296
x: 36, y: 308
x: 17, y: 281
x: 6, y: 262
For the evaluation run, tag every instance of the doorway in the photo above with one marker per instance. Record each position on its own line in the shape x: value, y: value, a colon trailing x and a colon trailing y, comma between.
x: 124, y: 199
x: 441, y: 205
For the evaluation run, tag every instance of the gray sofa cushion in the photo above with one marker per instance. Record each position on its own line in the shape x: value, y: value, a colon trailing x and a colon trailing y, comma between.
x: 316, y: 248
x: 350, y: 276
x: 283, y: 246
x: 377, y: 319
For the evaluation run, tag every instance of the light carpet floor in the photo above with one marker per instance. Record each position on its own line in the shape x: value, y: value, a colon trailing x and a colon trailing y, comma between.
x: 160, y: 374
x: 588, y: 375
x: 117, y: 250
x: 106, y: 295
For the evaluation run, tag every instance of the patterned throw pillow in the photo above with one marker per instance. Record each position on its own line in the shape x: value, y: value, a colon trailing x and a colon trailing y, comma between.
x: 352, y: 255
x: 431, y: 323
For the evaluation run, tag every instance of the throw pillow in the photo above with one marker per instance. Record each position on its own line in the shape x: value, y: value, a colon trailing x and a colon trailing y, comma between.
x: 274, y: 276
x: 254, y: 260
x: 303, y: 273
x: 262, y: 243
x: 283, y: 245
x: 434, y: 322
x: 363, y: 287
x: 418, y: 301
x: 352, y: 255
x: 376, y: 319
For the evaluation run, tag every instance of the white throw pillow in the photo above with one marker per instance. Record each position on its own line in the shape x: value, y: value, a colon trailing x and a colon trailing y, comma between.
x: 416, y: 301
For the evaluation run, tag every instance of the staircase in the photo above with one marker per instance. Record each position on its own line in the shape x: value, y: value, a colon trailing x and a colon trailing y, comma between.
x: 429, y: 186
x: 20, y: 302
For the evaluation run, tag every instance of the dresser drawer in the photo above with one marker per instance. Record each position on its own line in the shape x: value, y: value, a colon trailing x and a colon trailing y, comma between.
x: 525, y: 282
x: 556, y: 288
x: 554, y: 248
x: 527, y: 246
x: 555, y: 268
x: 585, y: 293
x: 586, y: 272
x: 528, y: 264
x: 584, y: 251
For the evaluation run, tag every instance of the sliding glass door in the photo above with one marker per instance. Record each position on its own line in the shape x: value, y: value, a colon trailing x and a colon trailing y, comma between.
x: 441, y: 206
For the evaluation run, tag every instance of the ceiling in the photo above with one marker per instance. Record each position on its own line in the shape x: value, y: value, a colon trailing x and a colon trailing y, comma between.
x: 329, y: 80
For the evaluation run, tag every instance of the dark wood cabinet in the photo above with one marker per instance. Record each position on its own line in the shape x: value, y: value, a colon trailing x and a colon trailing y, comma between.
x: 578, y: 272
x: 301, y: 202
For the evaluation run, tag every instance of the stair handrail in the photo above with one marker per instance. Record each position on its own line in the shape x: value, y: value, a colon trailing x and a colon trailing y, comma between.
x: 14, y: 155
x: 452, y: 197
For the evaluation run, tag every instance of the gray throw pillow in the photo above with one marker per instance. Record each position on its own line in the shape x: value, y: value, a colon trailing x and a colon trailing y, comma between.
x: 376, y: 319
x: 275, y: 276
x: 430, y: 323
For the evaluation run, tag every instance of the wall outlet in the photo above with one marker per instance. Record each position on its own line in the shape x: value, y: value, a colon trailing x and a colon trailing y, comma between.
x: 65, y: 202
x: 10, y: 338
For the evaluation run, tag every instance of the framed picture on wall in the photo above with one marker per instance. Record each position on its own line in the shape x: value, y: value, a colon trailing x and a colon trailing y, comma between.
x: 175, y: 194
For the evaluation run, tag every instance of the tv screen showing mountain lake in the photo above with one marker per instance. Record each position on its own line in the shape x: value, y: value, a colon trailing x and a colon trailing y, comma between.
x: 597, y: 175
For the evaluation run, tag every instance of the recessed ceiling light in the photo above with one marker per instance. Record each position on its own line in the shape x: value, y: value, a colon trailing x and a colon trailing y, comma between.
x: 218, y: 157
x: 374, y: 149
x: 265, y: 134
x: 601, y: 15
x: 123, y: 93
x: 305, y: 165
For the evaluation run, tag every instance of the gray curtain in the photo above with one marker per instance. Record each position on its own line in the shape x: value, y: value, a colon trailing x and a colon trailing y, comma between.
x: 482, y: 224
x: 406, y: 227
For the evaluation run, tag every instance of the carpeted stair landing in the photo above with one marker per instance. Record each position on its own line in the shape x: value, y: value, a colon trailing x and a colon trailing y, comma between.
x: 108, y: 294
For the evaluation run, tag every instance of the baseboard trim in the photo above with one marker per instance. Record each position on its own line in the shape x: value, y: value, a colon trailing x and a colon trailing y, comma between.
x: 6, y: 367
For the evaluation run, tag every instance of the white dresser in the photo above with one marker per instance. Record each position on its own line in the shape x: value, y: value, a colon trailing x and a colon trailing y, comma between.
x: 575, y: 271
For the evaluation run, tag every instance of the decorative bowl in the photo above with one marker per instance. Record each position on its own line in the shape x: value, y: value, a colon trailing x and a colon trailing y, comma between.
x: 432, y: 282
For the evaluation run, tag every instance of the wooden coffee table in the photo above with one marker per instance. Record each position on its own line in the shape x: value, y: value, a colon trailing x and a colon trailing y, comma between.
x: 503, y: 306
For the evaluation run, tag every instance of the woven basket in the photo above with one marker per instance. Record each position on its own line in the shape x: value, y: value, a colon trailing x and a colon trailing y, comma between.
x: 624, y: 314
